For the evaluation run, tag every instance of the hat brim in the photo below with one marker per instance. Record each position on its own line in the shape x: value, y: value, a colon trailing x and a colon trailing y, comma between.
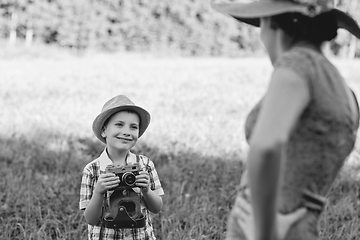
x: 102, y: 117
x: 251, y: 13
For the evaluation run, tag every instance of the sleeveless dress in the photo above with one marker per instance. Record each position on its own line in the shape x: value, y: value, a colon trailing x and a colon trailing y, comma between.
x: 319, y: 145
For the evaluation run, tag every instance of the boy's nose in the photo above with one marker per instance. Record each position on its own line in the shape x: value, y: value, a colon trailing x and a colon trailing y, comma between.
x: 126, y: 133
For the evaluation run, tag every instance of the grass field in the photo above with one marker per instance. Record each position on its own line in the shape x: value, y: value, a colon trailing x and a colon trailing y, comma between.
x: 198, y: 108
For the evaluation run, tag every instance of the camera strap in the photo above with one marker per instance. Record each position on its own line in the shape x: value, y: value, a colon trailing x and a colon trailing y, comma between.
x: 137, y: 159
x: 126, y: 158
x: 102, y: 223
x: 145, y: 164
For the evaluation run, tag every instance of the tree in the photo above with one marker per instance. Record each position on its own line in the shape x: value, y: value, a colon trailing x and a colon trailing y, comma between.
x: 189, y: 27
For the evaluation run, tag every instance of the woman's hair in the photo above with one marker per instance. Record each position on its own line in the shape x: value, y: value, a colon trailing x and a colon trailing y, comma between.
x: 316, y: 30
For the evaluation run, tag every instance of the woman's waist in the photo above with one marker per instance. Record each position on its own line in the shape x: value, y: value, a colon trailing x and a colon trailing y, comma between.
x: 313, y: 202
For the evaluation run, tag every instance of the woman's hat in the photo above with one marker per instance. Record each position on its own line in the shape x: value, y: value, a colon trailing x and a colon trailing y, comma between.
x: 251, y: 12
x: 114, y: 105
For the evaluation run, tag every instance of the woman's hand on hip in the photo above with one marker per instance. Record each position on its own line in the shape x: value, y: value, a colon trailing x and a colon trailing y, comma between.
x: 245, y: 218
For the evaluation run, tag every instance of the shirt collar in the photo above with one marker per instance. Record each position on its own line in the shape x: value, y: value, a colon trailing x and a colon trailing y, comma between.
x: 105, y: 160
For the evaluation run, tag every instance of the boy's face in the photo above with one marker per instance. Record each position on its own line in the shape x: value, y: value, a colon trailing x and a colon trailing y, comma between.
x: 122, y: 130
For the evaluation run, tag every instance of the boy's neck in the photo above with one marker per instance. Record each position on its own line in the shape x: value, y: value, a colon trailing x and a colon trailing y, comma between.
x: 117, y: 157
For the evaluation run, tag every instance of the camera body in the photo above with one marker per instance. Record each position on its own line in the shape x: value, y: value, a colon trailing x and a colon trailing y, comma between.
x: 127, y: 174
x: 124, y: 204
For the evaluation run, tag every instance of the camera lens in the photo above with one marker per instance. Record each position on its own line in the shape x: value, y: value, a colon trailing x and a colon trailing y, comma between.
x: 129, y: 178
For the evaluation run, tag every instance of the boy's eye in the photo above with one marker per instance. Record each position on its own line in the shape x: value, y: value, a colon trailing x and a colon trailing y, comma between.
x: 119, y: 124
x: 134, y: 127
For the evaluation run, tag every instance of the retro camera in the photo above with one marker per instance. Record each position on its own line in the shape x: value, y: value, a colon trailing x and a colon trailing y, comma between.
x: 124, y: 209
x: 127, y: 174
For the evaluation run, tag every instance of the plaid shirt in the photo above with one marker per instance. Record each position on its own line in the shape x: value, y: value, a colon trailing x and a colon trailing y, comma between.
x: 89, y: 178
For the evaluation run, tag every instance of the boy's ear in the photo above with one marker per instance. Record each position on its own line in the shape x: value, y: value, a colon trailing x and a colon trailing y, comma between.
x: 103, y: 132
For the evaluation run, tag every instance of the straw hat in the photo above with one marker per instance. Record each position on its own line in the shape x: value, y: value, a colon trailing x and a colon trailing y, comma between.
x: 251, y: 12
x: 114, y: 105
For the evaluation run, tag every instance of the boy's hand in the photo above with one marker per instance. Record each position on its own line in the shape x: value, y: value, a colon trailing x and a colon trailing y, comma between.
x: 106, y: 181
x: 143, y: 181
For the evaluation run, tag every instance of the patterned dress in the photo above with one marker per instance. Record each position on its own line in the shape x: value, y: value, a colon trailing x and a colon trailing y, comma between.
x: 322, y: 140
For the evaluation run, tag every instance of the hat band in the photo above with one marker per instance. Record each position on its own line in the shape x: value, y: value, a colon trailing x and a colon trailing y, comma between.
x: 315, y: 7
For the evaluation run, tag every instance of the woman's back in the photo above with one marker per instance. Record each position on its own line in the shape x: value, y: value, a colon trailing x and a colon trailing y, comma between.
x: 322, y: 140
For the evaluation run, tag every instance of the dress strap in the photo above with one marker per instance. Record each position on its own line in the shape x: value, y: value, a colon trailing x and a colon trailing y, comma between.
x: 313, y: 202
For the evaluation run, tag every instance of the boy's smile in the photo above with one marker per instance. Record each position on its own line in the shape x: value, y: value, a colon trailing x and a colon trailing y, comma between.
x: 125, y: 139
x: 122, y: 131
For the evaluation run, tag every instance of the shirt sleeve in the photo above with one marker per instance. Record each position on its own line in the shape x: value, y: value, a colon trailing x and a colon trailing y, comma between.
x: 155, y: 184
x: 86, y: 187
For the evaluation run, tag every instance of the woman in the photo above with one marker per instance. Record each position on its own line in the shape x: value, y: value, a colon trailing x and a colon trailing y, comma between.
x: 302, y: 130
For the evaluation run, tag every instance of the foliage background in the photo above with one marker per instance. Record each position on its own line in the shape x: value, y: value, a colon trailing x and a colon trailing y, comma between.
x: 187, y: 27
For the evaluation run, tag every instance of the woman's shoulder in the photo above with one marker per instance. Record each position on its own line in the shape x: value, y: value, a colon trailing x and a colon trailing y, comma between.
x: 298, y: 53
x: 300, y: 60
x: 311, y: 65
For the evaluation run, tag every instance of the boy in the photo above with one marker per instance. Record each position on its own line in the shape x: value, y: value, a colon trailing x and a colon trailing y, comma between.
x: 119, y: 125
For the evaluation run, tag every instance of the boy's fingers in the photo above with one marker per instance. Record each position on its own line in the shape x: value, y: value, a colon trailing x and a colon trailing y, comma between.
x: 144, y: 173
x: 114, y: 181
x: 109, y: 181
x: 142, y: 176
x: 142, y: 181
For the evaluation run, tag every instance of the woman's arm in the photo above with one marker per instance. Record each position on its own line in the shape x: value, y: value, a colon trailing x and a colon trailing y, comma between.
x: 287, y: 97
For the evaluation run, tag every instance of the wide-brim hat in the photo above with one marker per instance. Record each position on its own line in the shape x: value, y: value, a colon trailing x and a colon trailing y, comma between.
x: 251, y: 12
x: 117, y: 104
